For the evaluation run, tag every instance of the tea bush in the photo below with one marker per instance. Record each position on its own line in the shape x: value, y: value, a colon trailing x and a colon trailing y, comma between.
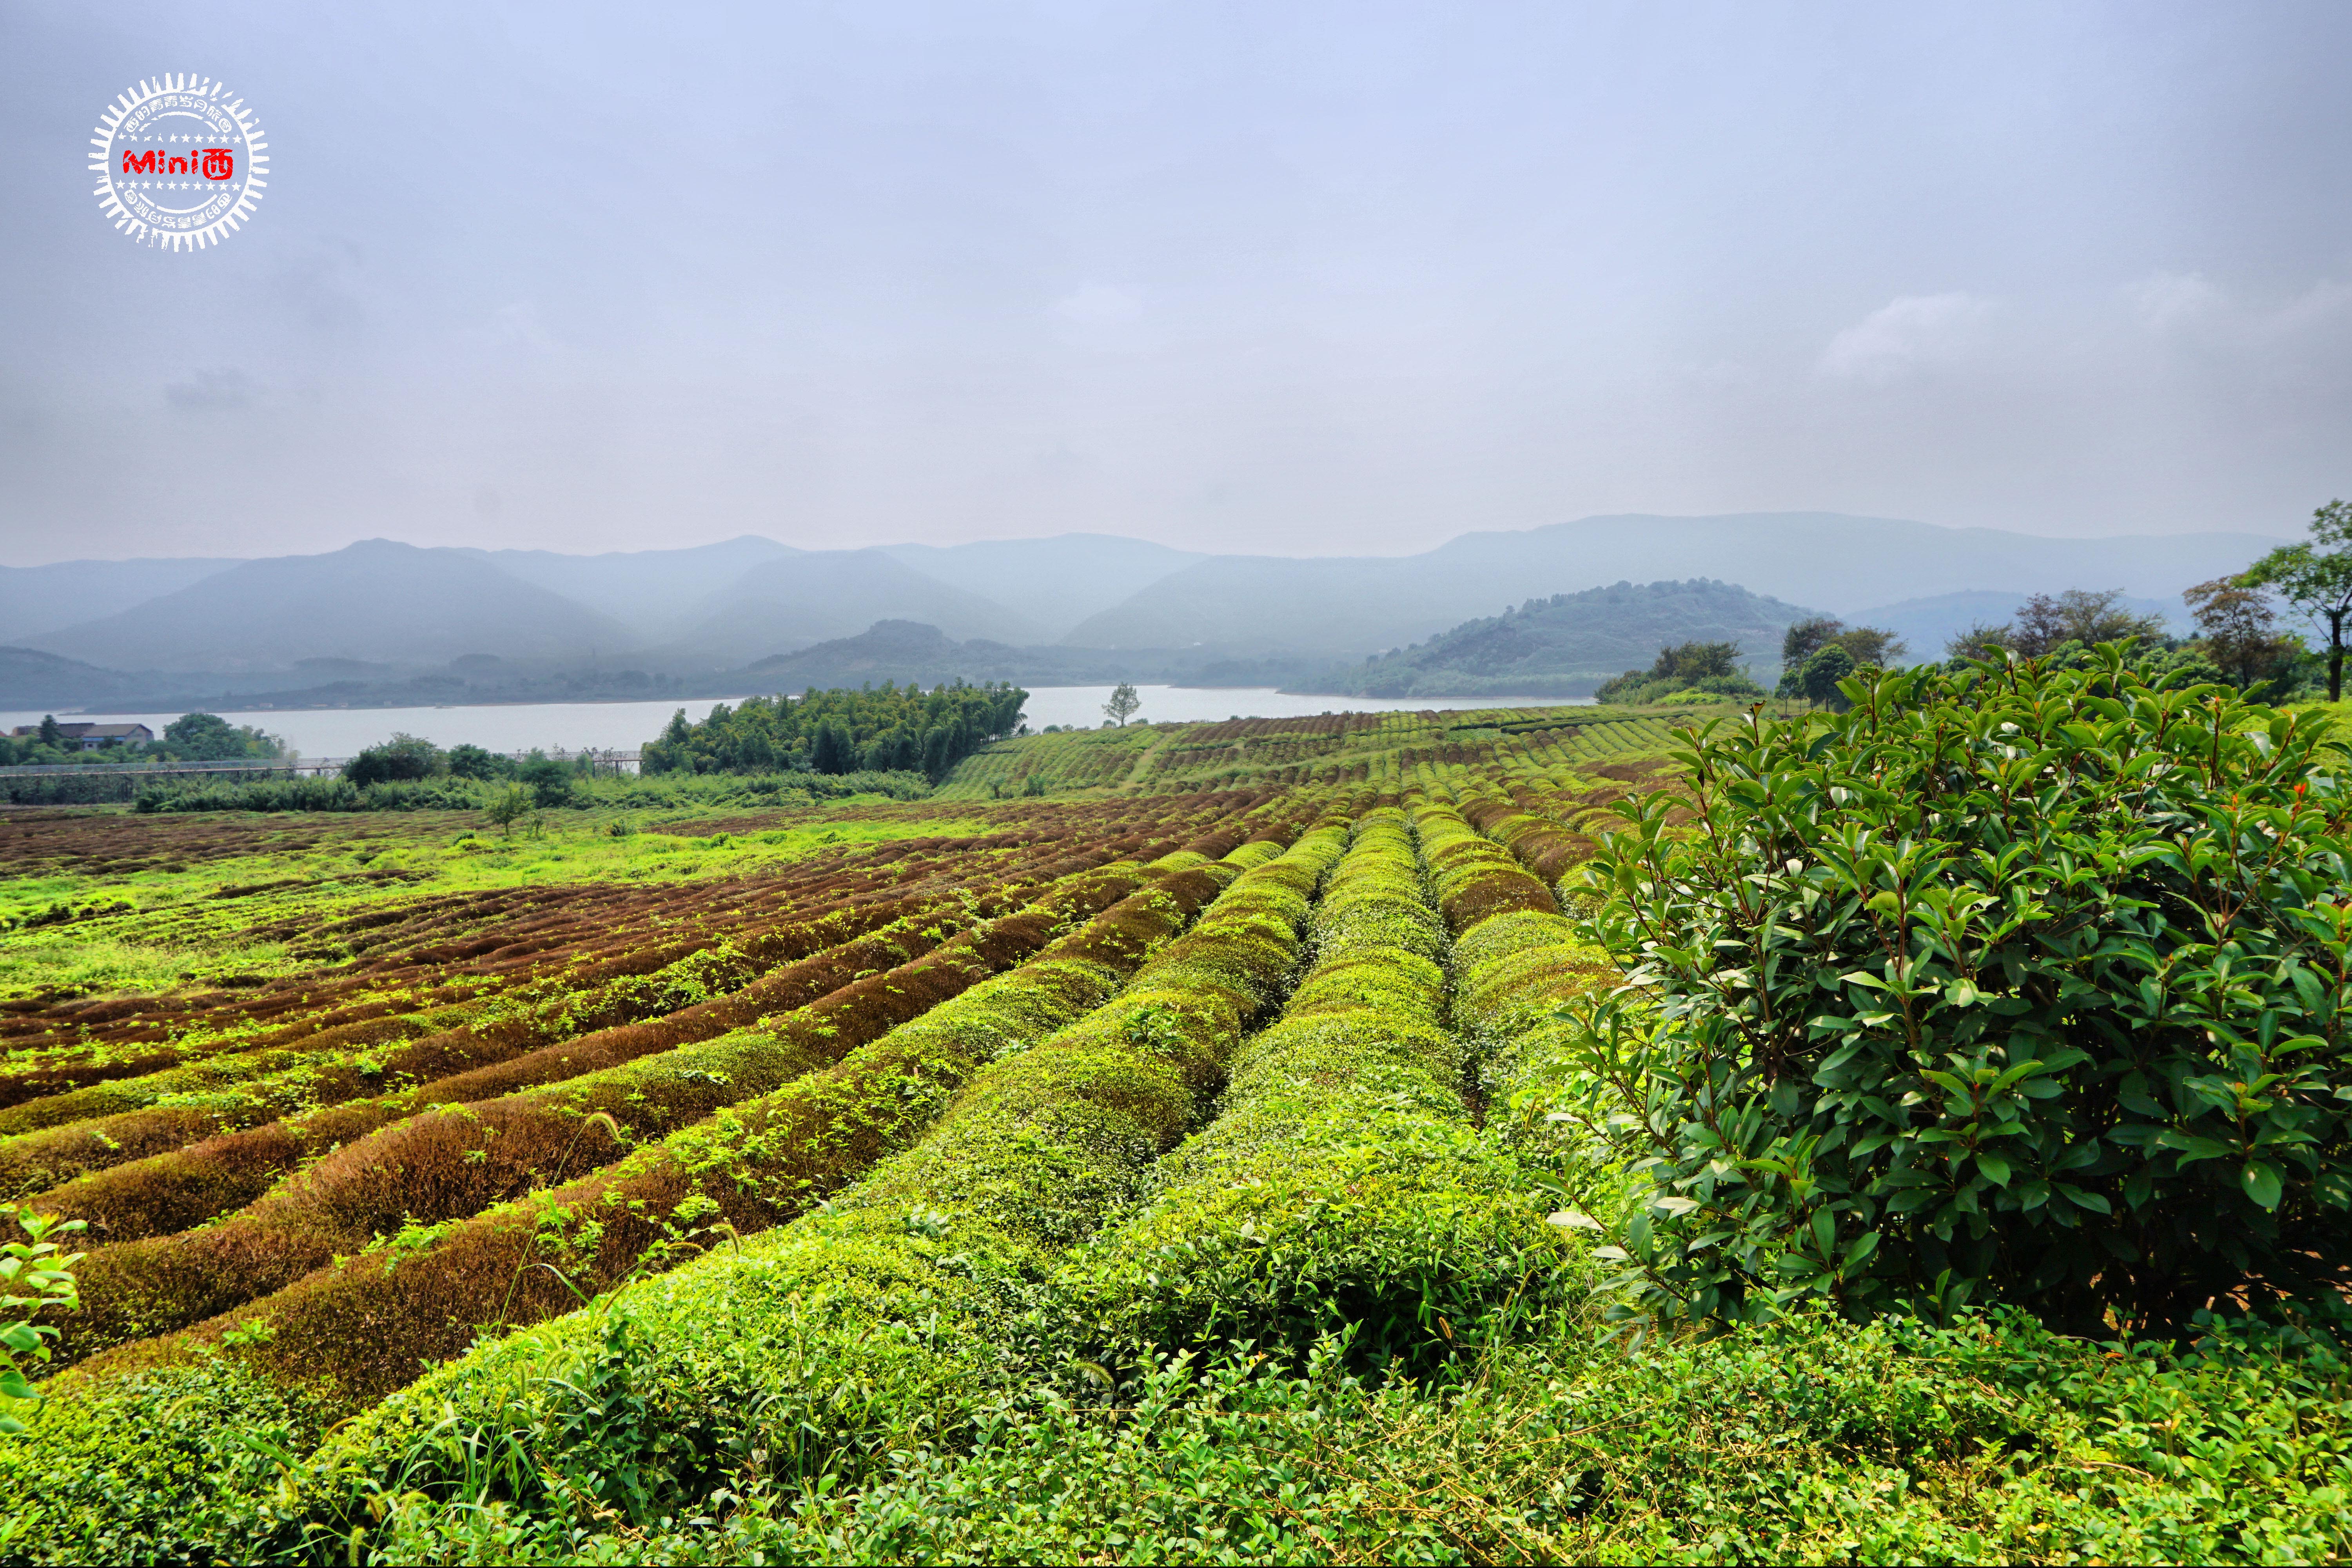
x: 2025, y: 981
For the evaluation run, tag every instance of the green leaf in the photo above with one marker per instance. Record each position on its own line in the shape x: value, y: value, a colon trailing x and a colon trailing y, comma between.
x: 2260, y: 1180
x: 2083, y: 1199
x: 1995, y: 1169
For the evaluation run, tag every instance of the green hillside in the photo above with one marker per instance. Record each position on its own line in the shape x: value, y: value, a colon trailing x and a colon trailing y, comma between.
x: 1566, y: 644
x: 1381, y: 750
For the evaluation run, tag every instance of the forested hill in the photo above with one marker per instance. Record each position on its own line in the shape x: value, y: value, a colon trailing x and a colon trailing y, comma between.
x: 1565, y: 644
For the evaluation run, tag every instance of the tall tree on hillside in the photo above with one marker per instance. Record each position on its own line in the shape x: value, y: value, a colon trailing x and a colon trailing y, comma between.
x: 1872, y: 646
x: 1122, y: 704
x: 2238, y: 627
x: 2079, y: 616
x: 1698, y: 661
x: 1808, y: 637
x: 833, y: 750
x: 2315, y: 577
x: 1819, y: 682
x: 1982, y: 640
x: 2045, y: 623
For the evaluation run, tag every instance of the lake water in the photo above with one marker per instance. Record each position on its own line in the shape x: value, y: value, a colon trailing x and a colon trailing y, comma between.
x: 625, y: 726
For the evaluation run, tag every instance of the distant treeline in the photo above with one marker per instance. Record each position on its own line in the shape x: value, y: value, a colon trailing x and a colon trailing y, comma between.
x: 874, y: 730
x: 457, y: 792
x: 190, y: 737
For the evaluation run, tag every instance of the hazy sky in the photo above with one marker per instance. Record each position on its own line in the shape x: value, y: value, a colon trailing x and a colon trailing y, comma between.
x: 1267, y: 276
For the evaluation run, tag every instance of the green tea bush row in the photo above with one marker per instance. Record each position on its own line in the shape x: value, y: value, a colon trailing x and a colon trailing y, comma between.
x: 770, y: 1158
x: 185, y: 1186
x: 1474, y: 877
x: 823, y: 1344
x: 241, y: 1088
x: 1343, y: 1186
x: 449, y: 1161
x: 401, y: 1065
x: 1544, y: 847
x: 1806, y: 1439
x: 100, y: 1477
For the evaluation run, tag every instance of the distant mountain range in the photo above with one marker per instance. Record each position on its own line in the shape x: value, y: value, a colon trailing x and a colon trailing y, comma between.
x: 1844, y: 564
x: 680, y: 620
x: 1568, y: 644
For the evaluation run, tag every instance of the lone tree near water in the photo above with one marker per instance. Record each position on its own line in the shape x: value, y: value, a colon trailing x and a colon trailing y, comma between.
x: 2315, y: 577
x: 1122, y: 704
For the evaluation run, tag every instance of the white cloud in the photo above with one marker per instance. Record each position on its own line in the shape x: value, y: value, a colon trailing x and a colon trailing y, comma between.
x: 2179, y: 302
x: 2167, y: 299
x: 1909, y: 333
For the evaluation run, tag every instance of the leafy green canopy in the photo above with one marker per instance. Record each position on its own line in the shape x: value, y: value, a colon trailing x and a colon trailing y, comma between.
x: 404, y: 757
x: 839, y: 731
x: 2021, y: 979
x: 1710, y: 666
x: 209, y: 737
x: 2315, y: 577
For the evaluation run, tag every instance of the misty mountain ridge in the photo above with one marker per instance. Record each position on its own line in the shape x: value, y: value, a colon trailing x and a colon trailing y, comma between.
x: 375, y: 600
x: 1054, y: 584
x: 36, y: 599
x: 29, y: 678
x: 1356, y: 605
x: 1567, y: 644
x: 1149, y: 610
x: 781, y: 605
x: 654, y: 592
x: 902, y: 651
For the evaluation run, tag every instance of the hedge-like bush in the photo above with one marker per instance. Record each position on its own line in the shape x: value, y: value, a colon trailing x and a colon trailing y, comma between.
x: 1343, y: 1185
x: 823, y: 1344
x: 1474, y: 877
x: 2019, y: 982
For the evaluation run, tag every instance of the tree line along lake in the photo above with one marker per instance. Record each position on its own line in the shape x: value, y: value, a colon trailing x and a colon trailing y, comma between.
x: 625, y: 726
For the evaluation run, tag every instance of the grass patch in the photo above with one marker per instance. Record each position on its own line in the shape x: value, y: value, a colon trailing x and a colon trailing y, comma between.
x: 109, y: 946
x: 69, y: 961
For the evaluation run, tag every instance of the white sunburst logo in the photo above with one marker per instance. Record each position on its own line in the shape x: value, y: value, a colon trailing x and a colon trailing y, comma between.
x: 180, y: 162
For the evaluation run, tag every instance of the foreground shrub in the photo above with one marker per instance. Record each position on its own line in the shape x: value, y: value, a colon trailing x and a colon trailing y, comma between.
x: 2023, y: 982
x: 1804, y: 1440
x: 404, y: 757
x: 459, y: 792
x: 93, y: 787
x: 310, y: 795
x: 1341, y: 1188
